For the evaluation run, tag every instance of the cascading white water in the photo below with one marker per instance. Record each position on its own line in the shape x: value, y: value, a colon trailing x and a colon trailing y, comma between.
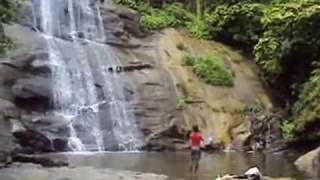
x: 73, y: 66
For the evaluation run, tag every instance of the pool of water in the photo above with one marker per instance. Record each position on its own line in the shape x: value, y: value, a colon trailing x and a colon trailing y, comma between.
x: 176, y: 165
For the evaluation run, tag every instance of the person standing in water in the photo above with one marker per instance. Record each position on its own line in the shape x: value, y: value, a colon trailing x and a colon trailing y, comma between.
x: 195, y: 143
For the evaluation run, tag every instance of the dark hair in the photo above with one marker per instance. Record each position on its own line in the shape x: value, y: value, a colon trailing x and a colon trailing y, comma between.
x: 195, y: 128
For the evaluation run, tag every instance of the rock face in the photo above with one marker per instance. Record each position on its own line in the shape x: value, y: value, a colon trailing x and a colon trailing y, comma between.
x: 156, y: 81
x: 310, y: 163
x: 122, y: 26
x: 265, y: 132
x: 7, y: 141
x: 217, y: 110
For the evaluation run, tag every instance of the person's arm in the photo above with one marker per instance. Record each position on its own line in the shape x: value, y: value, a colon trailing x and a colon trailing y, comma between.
x: 202, y: 142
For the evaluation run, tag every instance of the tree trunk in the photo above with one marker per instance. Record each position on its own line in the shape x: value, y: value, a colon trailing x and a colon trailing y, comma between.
x: 188, y: 5
x: 199, y: 5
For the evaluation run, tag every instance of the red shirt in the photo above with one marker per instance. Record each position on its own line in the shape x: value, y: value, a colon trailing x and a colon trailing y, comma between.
x: 195, y: 138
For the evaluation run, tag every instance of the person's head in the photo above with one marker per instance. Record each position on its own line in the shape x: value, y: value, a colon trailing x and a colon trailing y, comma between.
x: 195, y: 128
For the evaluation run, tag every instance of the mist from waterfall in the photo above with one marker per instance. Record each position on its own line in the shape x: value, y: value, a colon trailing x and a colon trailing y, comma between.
x: 74, y: 34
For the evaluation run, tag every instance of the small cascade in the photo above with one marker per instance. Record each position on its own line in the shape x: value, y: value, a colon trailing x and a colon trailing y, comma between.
x: 74, y: 34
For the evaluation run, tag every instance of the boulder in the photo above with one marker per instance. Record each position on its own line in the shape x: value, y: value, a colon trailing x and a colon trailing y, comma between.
x: 30, y: 138
x: 128, y: 20
x: 37, y: 87
x: 47, y: 129
x: 7, y: 141
x: 310, y: 163
x: 30, y: 62
x: 43, y: 161
x: 251, y: 174
x: 33, y: 93
x: 230, y: 177
x: 121, y: 26
x: 264, y: 132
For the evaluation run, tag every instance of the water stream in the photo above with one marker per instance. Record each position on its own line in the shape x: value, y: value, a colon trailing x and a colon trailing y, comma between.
x: 79, y: 60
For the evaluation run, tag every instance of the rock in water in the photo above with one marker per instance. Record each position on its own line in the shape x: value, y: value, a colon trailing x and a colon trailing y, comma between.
x: 310, y: 163
x: 250, y: 174
x: 253, y: 174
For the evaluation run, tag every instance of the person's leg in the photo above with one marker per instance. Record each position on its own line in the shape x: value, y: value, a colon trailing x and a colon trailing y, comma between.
x: 196, y: 167
x: 197, y: 160
x: 192, y: 166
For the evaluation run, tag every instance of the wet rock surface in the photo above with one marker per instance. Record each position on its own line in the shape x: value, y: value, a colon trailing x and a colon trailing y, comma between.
x: 32, y: 171
x: 264, y: 131
x: 310, y: 163
x: 40, y: 160
x: 228, y: 177
x: 7, y: 141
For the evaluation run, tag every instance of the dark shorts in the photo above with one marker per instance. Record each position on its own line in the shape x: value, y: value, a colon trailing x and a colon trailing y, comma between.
x: 195, y: 155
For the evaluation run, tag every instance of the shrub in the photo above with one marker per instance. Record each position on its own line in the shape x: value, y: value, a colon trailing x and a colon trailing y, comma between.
x: 171, y: 16
x: 8, y: 13
x: 6, y: 44
x: 157, y: 20
x: 288, y: 130
x: 134, y: 4
x: 177, y: 10
x: 213, y: 71
x: 307, y: 108
x: 181, y: 46
x: 181, y: 104
x: 189, y: 59
x: 198, y: 28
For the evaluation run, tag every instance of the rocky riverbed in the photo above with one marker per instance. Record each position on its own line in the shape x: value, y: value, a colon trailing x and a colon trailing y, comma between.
x: 19, y: 171
x: 36, y: 172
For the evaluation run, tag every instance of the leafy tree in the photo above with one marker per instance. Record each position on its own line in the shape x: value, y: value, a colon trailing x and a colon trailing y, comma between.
x: 8, y: 13
x: 239, y: 23
x: 306, y: 111
x: 8, y: 10
x: 291, y: 30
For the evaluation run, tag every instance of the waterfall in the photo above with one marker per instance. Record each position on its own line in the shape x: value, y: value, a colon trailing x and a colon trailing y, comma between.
x: 74, y: 34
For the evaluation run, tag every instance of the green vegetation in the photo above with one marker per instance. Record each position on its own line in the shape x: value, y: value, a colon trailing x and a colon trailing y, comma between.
x: 198, y: 28
x: 307, y: 108
x: 239, y: 23
x: 6, y: 44
x: 189, y: 59
x: 210, y: 68
x: 282, y: 35
x: 171, y: 16
x: 8, y: 12
x: 288, y: 130
x: 181, y: 47
x: 213, y: 71
x: 181, y: 104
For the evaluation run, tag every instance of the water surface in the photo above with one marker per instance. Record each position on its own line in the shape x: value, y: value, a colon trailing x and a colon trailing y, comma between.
x: 177, y: 164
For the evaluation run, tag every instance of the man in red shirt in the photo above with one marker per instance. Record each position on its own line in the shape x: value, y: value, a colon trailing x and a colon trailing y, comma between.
x: 195, y: 143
